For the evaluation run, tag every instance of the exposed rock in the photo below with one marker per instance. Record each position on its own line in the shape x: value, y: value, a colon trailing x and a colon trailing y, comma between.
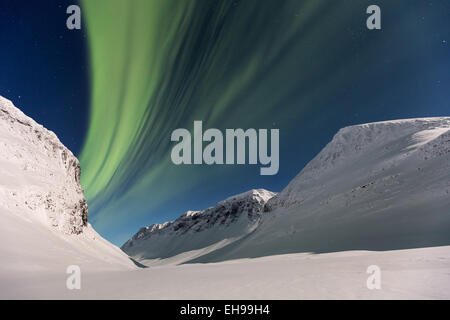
x: 231, y: 218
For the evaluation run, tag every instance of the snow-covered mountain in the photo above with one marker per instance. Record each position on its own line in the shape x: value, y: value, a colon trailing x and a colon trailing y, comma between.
x: 376, y: 186
x: 39, y: 175
x: 372, y: 156
x: 196, y: 233
x: 43, y: 213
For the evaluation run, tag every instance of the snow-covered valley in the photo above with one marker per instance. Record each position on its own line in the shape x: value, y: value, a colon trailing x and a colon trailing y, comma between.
x: 377, y: 195
x: 405, y: 274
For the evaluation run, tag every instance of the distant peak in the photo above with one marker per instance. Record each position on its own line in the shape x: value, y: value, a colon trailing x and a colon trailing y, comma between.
x: 247, y: 207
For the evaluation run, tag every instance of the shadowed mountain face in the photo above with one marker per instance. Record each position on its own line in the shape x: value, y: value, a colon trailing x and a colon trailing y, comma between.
x: 196, y: 233
x: 377, y: 186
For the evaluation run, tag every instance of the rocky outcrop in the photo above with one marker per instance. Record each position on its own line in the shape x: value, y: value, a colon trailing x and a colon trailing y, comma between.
x: 229, y: 219
x: 249, y: 204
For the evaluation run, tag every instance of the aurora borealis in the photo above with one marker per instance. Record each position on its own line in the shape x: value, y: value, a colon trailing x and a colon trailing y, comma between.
x: 160, y: 65
x: 305, y: 67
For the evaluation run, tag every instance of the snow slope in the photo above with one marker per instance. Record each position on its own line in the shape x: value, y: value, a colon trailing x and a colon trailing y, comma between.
x: 377, y: 186
x: 43, y: 213
x: 196, y: 233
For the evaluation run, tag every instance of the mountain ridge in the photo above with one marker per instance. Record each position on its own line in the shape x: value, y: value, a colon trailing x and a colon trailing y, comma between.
x: 242, y: 212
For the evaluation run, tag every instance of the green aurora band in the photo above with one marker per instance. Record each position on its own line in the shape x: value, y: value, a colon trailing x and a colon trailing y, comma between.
x: 159, y: 65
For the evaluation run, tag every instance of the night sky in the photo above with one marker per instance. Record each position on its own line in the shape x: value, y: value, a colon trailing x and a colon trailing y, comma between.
x: 114, y: 91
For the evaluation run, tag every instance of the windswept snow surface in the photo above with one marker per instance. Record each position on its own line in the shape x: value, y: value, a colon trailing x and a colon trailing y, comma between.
x: 405, y: 274
x: 43, y: 213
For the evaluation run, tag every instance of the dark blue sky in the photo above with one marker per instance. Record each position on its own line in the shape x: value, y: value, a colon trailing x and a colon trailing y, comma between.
x: 44, y: 67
